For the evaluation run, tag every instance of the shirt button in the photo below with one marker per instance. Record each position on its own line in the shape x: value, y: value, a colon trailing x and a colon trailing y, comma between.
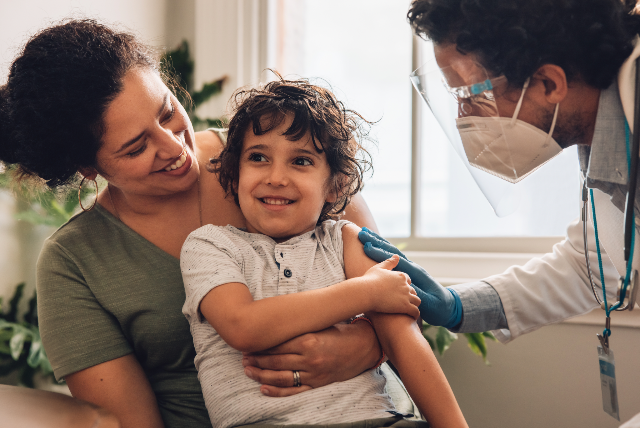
x: 288, y: 273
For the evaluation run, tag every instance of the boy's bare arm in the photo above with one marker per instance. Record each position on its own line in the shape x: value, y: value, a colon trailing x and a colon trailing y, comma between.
x: 401, y: 339
x: 409, y: 352
x: 251, y: 326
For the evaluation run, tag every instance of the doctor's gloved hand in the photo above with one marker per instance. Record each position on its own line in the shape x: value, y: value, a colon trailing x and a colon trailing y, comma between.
x: 439, y: 306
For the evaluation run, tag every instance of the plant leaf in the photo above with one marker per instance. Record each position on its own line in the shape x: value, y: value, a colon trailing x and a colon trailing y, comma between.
x: 477, y: 345
x: 489, y: 335
x: 444, y: 339
x: 401, y: 246
x: 208, y: 90
x: 31, y: 317
x: 17, y: 345
x: 12, y: 315
x: 35, y: 354
x: 45, y: 364
x: 425, y: 327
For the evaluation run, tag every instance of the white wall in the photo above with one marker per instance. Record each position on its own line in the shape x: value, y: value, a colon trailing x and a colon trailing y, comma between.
x: 20, y: 243
x: 20, y: 19
x: 548, y: 378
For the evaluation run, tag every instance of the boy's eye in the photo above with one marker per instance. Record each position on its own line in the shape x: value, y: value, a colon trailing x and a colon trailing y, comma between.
x: 302, y: 162
x: 257, y: 157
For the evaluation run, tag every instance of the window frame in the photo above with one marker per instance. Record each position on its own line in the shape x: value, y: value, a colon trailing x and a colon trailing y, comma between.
x: 246, y: 26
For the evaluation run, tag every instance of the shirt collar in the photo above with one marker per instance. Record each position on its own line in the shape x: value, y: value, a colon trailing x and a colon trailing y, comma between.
x: 606, y: 158
x: 264, y: 238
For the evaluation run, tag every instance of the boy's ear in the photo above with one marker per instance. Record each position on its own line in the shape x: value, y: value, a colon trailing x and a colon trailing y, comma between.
x: 333, y: 184
x: 331, y: 196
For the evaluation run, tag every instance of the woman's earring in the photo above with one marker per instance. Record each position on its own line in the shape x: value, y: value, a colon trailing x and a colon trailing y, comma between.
x: 95, y: 183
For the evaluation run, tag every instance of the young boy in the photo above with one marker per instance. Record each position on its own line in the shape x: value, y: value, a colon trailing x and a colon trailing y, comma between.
x: 291, y: 163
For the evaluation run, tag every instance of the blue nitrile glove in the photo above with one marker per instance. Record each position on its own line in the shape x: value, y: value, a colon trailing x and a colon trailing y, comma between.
x: 440, y: 305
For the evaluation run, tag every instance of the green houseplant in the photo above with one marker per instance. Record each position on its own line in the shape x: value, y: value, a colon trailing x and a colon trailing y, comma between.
x: 443, y: 338
x: 180, y: 65
x: 21, y: 347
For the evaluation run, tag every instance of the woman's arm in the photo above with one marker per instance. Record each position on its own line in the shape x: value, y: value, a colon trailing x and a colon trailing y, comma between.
x: 121, y: 387
x: 357, y: 212
x: 255, y: 325
x: 402, y: 341
x: 336, y: 354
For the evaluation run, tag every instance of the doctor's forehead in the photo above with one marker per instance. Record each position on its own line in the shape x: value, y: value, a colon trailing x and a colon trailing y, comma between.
x: 457, y: 68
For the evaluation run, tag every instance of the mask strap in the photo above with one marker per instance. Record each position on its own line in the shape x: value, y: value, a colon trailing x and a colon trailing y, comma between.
x: 553, y: 124
x: 515, y: 114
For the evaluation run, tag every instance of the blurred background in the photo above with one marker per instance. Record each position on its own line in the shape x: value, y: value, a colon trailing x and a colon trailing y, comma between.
x: 421, y: 195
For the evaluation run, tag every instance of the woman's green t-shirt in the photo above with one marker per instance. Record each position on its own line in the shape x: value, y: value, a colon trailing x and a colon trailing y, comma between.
x: 104, y: 292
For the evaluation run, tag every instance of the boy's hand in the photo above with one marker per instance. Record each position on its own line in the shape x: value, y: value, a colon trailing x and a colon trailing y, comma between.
x: 439, y: 305
x: 390, y: 291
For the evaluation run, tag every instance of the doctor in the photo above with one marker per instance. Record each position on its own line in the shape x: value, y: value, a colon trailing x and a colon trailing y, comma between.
x: 526, y: 80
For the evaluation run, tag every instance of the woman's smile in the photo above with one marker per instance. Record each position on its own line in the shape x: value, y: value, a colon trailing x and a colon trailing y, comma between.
x: 179, y: 166
x: 181, y: 160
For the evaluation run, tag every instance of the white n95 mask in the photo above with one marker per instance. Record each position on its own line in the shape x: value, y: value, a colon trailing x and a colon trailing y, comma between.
x: 499, y: 152
x: 508, y: 148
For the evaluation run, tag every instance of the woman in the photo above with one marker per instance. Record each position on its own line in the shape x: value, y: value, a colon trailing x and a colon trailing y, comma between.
x: 82, y: 98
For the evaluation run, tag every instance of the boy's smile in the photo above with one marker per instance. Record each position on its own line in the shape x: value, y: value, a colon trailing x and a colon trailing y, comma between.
x: 283, y: 184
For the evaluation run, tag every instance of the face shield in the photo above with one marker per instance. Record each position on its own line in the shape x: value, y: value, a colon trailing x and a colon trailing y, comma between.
x: 498, y: 151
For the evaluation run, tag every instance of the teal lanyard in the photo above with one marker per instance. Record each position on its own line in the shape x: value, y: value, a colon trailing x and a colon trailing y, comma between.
x: 607, y: 332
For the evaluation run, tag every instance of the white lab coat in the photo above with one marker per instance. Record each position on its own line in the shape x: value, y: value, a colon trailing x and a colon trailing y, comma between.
x: 556, y: 287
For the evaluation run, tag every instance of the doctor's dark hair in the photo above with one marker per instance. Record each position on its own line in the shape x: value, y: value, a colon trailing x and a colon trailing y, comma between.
x: 333, y: 129
x: 57, y: 92
x: 588, y: 39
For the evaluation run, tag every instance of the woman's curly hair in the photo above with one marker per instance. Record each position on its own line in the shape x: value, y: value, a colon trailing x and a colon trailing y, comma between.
x: 58, y: 89
x: 588, y: 39
x: 333, y: 129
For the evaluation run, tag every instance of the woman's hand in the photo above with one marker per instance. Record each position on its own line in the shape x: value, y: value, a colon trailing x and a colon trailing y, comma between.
x: 390, y: 291
x: 336, y: 354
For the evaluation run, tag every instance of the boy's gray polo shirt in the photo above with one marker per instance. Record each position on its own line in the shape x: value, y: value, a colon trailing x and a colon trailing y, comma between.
x: 213, y: 256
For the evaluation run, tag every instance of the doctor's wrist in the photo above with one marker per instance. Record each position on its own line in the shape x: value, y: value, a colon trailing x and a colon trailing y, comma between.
x: 456, y: 311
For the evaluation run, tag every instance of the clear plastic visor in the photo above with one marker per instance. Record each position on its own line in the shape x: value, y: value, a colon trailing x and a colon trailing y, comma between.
x: 457, y: 95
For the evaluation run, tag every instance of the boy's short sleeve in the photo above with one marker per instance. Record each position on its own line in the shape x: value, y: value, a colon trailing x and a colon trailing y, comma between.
x: 209, y: 258
x: 77, y: 332
x: 332, y: 236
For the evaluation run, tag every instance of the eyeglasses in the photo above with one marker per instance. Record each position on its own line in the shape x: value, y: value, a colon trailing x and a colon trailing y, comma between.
x: 482, y: 89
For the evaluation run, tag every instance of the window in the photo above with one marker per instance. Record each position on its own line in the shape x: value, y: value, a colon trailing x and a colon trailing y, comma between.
x: 420, y: 193
x: 362, y: 49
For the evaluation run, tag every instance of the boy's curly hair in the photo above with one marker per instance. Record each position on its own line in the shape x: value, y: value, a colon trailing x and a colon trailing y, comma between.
x: 334, y: 130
